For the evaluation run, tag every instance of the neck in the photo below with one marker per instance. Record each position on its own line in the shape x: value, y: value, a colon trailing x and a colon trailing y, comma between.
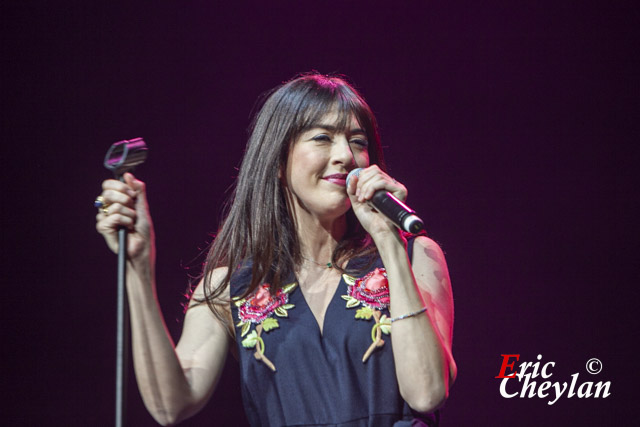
x: 318, y: 238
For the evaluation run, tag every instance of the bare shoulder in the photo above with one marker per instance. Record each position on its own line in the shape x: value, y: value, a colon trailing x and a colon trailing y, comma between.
x: 425, y: 248
x: 215, y: 280
x: 429, y: 264
x: 432, y: 277
x: 204, y: 335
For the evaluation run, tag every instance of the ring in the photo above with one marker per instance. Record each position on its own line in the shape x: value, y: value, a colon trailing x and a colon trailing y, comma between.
x: 102, y: 205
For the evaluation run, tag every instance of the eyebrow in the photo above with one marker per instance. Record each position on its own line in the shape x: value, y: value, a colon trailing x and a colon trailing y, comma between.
x: 332, y: 128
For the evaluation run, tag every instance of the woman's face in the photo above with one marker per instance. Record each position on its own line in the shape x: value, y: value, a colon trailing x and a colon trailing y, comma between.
x: 318, y: 163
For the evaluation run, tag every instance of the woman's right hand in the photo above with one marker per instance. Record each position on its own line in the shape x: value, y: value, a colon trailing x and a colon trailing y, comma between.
x: 126, y: 206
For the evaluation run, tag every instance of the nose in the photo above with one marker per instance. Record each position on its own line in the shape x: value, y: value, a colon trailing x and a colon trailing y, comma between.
x: 342, y: 153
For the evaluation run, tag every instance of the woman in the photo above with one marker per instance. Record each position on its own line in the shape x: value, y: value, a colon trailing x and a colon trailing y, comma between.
x: 338, y: 318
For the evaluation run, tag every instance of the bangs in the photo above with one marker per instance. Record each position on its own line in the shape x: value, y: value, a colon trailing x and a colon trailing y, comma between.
x: 303, y: 103
x: 332, y: 99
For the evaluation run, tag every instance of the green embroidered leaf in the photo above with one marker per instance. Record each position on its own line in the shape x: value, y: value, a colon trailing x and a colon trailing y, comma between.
x: 349, y: 280
x: 288, y: 306
x: 291, y: 286
x: 345, y: 297
x: 270, y: 323
x: 364, y: 313
x: 385, y: 324
x: 245, y: 328
x: 281, y: 312
x: 240, y: 323
x: 352, y: 302
x: 250, y: 340
x: 238, y: 303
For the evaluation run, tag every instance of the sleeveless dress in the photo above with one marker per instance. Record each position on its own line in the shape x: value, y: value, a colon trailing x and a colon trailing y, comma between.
x: 292, y: 375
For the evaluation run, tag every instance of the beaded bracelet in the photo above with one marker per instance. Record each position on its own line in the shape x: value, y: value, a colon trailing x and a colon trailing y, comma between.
x: 404, y: 316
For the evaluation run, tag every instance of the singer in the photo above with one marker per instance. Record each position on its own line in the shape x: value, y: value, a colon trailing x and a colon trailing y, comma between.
x: 338, y: 317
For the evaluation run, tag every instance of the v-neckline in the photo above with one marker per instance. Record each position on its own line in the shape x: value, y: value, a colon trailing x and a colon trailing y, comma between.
x: 321, y: 328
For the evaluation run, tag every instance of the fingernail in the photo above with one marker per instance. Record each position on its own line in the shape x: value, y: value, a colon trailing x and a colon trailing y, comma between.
x: 358, y: 192
x: 132, y: 193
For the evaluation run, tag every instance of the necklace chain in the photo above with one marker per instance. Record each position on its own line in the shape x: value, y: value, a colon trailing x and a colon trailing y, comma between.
x: 325, y: 265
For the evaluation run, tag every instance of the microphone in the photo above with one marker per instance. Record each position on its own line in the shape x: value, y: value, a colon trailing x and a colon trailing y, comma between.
x: 387, y: 204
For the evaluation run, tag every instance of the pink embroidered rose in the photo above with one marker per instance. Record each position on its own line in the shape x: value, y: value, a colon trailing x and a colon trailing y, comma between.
x: 259, y: 306
x: 261, y: 297
x: 372, y: 289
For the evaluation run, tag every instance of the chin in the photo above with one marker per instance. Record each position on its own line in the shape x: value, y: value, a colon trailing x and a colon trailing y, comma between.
x: 337, y: 210
x: 327, y: 206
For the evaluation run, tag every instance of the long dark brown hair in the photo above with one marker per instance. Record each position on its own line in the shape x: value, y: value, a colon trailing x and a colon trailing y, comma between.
x: 258, y: 225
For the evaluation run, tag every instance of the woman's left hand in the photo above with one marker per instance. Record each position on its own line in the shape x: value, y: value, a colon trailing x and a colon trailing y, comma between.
x: 362, y: 188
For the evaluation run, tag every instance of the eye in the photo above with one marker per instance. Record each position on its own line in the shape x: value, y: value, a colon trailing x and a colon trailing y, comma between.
x: 322, y: 138
x: 360, y: 141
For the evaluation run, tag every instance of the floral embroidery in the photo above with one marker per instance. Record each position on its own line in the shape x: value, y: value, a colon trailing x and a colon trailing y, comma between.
x: 258, y: 309
x: 371, y: 290
x: 371, y: 294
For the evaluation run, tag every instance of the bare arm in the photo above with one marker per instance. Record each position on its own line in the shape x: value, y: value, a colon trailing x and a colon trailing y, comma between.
x: 424, y: 364
x: 174, y: 382
x: 421, y: 344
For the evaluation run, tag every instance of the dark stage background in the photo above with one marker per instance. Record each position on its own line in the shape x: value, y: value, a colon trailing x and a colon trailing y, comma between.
x: 515, y: 128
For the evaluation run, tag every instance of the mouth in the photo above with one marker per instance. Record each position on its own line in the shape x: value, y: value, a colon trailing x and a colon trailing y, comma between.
x: 337, y: 178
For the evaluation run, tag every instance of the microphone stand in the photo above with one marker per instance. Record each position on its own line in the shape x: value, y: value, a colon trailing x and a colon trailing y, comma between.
x: 123, y: 156
x: 122, y: 331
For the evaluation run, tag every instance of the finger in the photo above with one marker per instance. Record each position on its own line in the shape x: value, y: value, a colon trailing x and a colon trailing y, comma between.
x: 370, y: 172
x: 372, y: 185
x: 362, y: 178
x: 114, y: 184
x: 102, y: 225
x: 108, y: 224
x: 385, y: 184
x: 115, y: 211
x: 134, y: 183
x: 120, y: 209
x: 139, y: 187
x: 373, y: 179
x: 353, y: 185
x: 112, y: 197
x: 128, y: 177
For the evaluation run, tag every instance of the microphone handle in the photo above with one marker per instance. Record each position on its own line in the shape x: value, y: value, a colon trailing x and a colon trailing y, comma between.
x: 400, y: 214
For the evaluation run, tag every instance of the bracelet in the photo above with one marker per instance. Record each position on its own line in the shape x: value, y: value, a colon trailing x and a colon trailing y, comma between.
x: 404, y: 316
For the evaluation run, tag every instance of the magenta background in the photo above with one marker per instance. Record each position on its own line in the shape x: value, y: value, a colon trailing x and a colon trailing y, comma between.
x: 515, y: 128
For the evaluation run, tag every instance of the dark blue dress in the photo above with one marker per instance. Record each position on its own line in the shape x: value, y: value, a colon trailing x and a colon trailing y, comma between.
x: 319, y: 379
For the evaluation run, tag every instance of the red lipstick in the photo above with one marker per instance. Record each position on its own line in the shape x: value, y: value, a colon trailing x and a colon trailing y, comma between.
x: 337, y: 178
